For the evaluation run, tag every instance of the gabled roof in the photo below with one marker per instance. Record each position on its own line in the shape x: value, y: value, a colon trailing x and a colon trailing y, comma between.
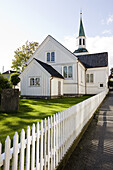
x: 50, y: 69
x: 94, y: 60
x: 49, y: 37
x: 81, y: 29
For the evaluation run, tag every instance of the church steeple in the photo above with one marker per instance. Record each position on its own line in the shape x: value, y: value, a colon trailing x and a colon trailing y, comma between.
x: 81, y: 29
x: 81, y: 39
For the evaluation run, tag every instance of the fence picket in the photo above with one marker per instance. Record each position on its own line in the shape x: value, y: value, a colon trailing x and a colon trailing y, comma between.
x: 22, y: 143
x: 7, y: 153
x: 28, y: 149
x: 45, y: 144
x: 37, y: 144
x: 33, y: 148
x: 56, y: 139
x: 15, y: 152
x: 41, y: 147
x: 1, y: 162
x: 51, y: 143
x: 48, y: 143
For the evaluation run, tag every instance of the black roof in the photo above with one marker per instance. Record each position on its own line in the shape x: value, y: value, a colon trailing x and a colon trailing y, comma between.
x: 50, y: 69
x: 94, y: 60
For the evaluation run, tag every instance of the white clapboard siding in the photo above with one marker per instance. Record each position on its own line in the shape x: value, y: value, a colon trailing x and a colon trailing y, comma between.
x: 46, y: 145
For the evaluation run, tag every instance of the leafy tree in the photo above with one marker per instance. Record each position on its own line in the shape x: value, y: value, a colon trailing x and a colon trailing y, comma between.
x: 14, y: 79
x: 22, y: 54
x: 4, y: 84
x: 111, y: 74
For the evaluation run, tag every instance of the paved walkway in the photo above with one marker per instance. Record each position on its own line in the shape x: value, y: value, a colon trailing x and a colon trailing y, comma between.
x: 95, y: 150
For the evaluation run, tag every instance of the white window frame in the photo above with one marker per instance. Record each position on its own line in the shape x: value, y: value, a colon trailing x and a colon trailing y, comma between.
x: 50, y: 56
x: 89, y: 75
x: 68, y: 71
x: 35, y: 83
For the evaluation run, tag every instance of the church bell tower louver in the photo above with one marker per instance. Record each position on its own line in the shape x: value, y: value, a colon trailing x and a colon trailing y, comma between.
x: 81, y: 40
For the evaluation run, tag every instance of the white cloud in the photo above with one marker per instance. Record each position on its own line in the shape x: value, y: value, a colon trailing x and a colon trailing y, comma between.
x: 106, y: 32
x: 110, y: 19
x: 94, y: 45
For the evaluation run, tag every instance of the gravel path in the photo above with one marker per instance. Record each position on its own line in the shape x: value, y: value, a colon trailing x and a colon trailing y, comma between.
x: 95, y: 150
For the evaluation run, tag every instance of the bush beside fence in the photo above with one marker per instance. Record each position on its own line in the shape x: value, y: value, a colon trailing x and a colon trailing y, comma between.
x: 46, y: 144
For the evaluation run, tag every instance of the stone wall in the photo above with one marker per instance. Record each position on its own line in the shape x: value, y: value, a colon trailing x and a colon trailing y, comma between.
x: 10, y: 100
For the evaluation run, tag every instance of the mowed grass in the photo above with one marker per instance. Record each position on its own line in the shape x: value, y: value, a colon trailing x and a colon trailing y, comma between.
x: 31, y: 111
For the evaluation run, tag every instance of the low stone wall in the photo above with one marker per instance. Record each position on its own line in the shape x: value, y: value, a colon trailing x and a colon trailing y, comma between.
x: 9, y: 100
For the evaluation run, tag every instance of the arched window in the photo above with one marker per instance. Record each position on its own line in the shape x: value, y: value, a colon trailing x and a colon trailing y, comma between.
x: 80, y: 43
x: 83, y: 41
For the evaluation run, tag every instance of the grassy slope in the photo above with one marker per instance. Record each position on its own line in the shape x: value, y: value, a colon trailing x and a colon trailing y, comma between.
x: 31, y: 111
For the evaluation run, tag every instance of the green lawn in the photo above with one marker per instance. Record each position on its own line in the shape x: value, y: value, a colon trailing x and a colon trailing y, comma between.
x: 31, y: 111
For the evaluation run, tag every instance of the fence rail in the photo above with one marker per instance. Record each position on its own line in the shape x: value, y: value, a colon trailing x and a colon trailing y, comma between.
x: 47, y: 143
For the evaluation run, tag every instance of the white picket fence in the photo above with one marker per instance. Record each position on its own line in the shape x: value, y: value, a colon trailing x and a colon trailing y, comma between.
x: 45, y: 146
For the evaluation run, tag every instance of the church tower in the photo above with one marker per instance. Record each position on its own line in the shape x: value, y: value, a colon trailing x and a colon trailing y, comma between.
x: 81, y: 40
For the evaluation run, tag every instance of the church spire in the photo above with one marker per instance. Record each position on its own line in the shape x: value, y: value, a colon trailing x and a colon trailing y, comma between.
x: 81, y: 29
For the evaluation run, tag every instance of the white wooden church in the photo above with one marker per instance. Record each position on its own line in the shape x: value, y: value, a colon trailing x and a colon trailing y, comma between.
x: 54, y: 71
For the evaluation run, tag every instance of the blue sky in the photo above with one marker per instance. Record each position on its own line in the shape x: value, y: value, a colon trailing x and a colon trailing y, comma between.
x: 33, y: 20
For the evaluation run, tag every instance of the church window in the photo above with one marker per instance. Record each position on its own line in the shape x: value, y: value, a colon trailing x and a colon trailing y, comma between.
x: 48, y: 57
x: 67, y: 72
x: 35, y: 81
x: 83, y: 41
x: 89, y: 78
x: 51, y: 57
x: 80, y: 43
x: 70, y: 72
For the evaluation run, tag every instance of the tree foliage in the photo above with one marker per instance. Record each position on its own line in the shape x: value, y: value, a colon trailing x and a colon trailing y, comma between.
x: 22, y: 54
x: 111, y: 74
x: 14, y: 78
x: 4, y: 83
